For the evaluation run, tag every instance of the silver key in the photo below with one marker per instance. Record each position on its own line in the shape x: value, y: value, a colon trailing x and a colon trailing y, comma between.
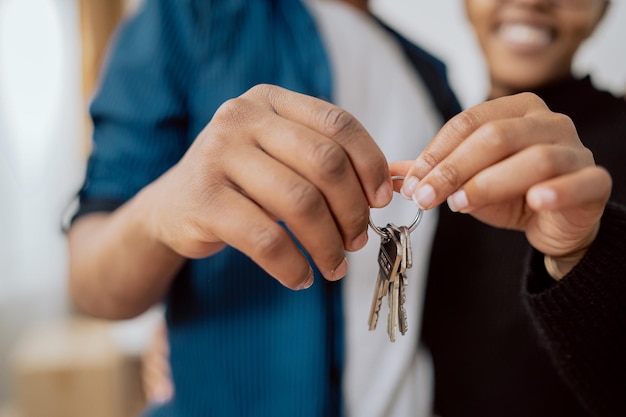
x: 403, y: 322
x: 393, y: 318
x: 404, y: 282
x: 379, y: 293
x: 408, y: 248
x: 389, y: 256
x: 403, y: 235
x: 394, y: 285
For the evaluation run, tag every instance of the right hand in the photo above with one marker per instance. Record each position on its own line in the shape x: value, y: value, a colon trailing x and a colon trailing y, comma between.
x: 270, y: 155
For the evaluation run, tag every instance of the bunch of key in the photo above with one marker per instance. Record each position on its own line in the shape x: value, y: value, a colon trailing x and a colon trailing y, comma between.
x: 394, y: 258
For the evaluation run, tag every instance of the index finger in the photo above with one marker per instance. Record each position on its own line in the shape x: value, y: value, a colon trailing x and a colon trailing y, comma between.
x: 367, y: 159
x: 456, y: 131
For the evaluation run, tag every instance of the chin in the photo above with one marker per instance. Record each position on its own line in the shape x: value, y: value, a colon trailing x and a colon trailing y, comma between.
x: 519, y: 81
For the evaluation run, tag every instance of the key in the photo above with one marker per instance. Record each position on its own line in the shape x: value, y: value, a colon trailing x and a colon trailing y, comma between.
x: 403, y: 235
x: 408, y: 253
x: 408, y: 248
x: 395, y: 256
x: 393, y: 317
x: 388, y: 260
x: 394, y: 284
x: 403, y: 322
x: 379, y: 293
x: 405, y: 241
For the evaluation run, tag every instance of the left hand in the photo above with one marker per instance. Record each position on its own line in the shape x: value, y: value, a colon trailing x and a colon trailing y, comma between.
x: 512, y: 163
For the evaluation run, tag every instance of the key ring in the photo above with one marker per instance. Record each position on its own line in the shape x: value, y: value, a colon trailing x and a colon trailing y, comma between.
x: 416, y: 221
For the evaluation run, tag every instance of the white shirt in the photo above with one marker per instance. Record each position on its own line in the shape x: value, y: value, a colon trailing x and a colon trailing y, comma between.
x: 374, y: 81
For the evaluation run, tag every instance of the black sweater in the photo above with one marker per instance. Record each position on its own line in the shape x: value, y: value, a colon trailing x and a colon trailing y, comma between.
x: 506, y: 339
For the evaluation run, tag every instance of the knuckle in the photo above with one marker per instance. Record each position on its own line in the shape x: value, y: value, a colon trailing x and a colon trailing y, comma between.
x: 232, y: 112
x: 533, y: 100
x: 566, y: 122
x: 429, y: 159
x: 305, y: 199
x: 480, y: 188
x: 548, y: 159
x: 588, y: 156
x: 338, y: 122
x: 265, y: 91
x: 358, y: 222
x: 464, y: 123
x: 331, y: 160
x: 495, y: 136
x: 449, y: 175
x: 268, y: 241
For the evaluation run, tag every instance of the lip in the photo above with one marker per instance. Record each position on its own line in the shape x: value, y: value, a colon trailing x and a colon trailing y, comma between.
x: 526, y: 37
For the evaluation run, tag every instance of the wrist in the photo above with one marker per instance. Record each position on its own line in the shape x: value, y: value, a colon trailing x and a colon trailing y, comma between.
x: 149, y: 223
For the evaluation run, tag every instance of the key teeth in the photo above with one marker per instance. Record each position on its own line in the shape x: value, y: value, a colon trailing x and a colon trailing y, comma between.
x: 404, y: 323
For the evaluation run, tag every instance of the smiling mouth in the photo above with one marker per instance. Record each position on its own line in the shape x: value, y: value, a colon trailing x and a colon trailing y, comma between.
x: 524, y: 37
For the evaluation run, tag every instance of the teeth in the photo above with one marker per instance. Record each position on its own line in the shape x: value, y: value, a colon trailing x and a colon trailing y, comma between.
x: 525, y: 35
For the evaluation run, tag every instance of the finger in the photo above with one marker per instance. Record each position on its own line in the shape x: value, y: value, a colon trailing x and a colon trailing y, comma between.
x: 487, y: 145
x: 400, y: 167
x: 461, y: 126
x: 327, y: 166
x: 246, y: 227
x: 512, y: 177
x: 335, y: 123
x: 571, y: 207
x: 589, y: 186
x: 296, y: 201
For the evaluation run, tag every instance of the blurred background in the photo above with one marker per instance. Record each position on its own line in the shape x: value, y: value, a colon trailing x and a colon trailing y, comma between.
x: 50, y: 54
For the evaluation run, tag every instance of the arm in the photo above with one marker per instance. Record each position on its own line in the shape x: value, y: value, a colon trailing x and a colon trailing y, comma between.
x: 117, y: 268
x: 265, y: 156
x: 514, y: 164
x: 268, y: 155
x: 519, y: 166
x: 580, y: 318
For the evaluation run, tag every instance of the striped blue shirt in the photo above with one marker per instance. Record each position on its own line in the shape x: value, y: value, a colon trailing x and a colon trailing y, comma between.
x: 240, y: 343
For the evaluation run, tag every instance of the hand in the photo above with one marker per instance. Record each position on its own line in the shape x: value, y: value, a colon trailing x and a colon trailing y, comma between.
x: 271, y: 155
x: 156, y: 375
x: 512, y: 163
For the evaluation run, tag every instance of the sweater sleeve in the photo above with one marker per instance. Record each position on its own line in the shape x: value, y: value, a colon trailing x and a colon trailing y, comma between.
x: 581, y: 319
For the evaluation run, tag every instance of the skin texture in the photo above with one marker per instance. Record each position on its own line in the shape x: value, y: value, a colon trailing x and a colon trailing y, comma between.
x: 558, y: 204
x: 324, y: 172
x: 530, y: 43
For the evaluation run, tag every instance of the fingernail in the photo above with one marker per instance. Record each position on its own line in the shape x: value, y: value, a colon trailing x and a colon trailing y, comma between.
x: 542, y: 197
x: 359, y: 242
x: 424, y: 197
x: 384, y: 193
x: 309, y: 281
x: 340, y: 271
x: 458, y: 201
x: 409, y: 186
x: 162, y: 395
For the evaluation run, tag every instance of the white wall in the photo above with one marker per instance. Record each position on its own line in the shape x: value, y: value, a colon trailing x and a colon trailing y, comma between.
x: 40, y: 160
x: 440, y: 26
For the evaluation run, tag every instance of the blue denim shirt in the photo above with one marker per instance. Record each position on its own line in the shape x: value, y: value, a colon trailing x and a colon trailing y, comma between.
x: 240, y: 343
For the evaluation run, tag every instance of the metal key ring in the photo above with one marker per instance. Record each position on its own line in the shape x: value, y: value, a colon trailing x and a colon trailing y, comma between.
x: 412, y: 226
